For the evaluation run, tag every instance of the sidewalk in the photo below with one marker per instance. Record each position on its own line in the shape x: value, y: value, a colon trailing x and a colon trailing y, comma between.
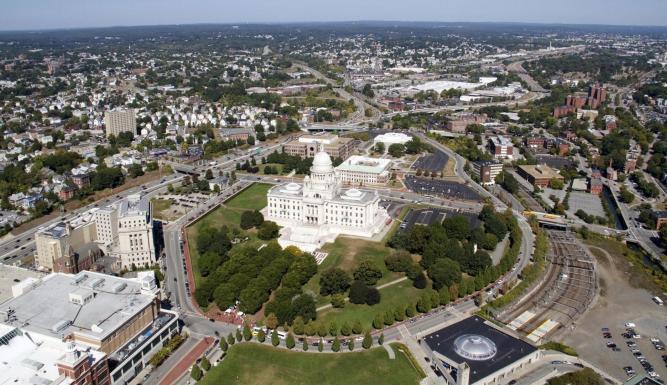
x: 187, y: 360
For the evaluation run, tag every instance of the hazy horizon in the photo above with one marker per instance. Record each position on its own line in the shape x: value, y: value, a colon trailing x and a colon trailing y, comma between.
x: 76, y: 14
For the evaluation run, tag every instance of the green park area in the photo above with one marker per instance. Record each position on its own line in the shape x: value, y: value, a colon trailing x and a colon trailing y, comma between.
x: 264, y: 365
x: 228, y: 214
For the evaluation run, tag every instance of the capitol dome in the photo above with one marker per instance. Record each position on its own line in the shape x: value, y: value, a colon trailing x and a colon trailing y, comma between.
x: 475, y: 347
x: 322, y: 162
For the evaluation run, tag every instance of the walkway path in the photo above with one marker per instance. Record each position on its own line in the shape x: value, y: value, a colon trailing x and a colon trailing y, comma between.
x: 390, y: 351
x: 324, y: 307
x: 187, y: 361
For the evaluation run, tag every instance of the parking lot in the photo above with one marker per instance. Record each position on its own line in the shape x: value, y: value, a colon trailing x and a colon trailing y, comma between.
x: 618, y: 303
x: 589, y: 203
x: 443, y: 188
x: 434, y: 162
x: 429, y: 216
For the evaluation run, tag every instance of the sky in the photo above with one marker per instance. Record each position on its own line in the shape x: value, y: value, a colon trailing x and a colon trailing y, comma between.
x: 50, y: 14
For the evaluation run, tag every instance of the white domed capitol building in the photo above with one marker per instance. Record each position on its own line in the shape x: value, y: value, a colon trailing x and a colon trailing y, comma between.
x: 319, y: 210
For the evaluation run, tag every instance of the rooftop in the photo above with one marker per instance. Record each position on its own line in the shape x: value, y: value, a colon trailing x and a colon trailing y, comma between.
x: 10, y: 276
x: 358, y: 163
x: 88, y: 303
x: 540, y: 171
x: 31, y: 359
x: 483, y: 347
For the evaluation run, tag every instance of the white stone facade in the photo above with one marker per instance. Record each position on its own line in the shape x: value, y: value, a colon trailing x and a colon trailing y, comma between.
x: 319, y: 210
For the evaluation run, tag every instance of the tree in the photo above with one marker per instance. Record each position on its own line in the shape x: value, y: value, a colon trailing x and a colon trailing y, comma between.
x: 196, y: 373
x: 335, y: 346
x: 247, y: 334
x: 368, y: 91
x: 298, y: 325
x: 368, y: 341
x: 289, y: 342
x: 230, y: 339
x: 444, y: 272
x: 135, y: 170
x: 275, y: 340
x: 379, y: 148
x: 268, y: 230
x: 333, y: 328
x: 209, y: 174
x: 322, y: 329
x: 663, y: 235
x: 261, y: 336
x: 381, y: 339
x: 410, y: 311
x: 271, y: 321
x: 320, y: 346
x: 345, y: 329
x: 334, y: 281
x: 420, y: 281
x: 223, y: 345
x: 338, y: 300
x: 388, y: 318
x: 304, y: 347
x: 356, y: 327
x: 367, y: 272
x: 424, y: 304
x: 372, y: 296
x: 626, y: 196
x: 396, y: 150
x: 239, y: 335
x: 378, y: 321
x: 205, y: 364
x: 443, y: 294
x: 358, y: 292
x: 556, y: 184
x: 350, y: 344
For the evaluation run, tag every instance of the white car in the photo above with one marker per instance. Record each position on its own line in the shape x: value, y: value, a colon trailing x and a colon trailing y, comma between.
x: 630, y: 325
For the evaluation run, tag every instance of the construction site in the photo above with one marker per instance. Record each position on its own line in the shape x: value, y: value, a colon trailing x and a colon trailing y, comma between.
x: 565, y: 292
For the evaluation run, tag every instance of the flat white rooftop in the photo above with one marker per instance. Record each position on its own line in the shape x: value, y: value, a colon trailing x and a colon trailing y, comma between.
x: 89, y: 304
x: 358, y: 163
x: 10, y: 276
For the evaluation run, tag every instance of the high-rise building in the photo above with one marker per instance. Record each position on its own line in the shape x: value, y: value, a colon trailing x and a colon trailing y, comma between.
x: 135, y: 232
x: 117, y: 121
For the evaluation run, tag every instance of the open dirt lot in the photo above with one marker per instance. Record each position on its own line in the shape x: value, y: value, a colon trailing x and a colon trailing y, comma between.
x: 622, y: 298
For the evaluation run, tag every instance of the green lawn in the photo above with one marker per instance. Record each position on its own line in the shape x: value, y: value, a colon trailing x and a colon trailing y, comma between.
x: 346, y: 253
x: 401, y: 293
x: 252, y: 198
x: 264, y: 365
x: 160, y: 205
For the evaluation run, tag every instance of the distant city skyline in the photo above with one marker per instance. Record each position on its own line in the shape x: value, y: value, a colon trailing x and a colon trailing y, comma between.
x: 54, y: 14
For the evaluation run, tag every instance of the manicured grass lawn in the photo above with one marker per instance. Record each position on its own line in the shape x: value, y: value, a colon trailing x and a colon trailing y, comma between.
x: 252, y: 198
x: 346, y: 253
x: 264, y: 365
x: 401, y: 293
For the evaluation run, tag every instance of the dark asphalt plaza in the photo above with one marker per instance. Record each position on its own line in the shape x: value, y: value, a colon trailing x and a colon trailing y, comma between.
x: 439, y: 187
x: 429, y: 216
x: 431, y: 162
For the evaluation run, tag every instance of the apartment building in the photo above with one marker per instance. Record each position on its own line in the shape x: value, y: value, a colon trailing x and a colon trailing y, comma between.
x: 117, y: 121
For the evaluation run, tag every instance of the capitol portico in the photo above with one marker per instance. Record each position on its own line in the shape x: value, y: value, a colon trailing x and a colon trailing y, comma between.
x: 319, y: 210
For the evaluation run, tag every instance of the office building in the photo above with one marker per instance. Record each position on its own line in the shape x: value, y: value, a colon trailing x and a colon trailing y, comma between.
x: 363, y: 171
x: 87, y: 328
x: 539, y: 175
x: 501, y: 147
x: 307, y: 146
x: 135, y: 232
x: 117, y: 121
x: 487, y: 171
